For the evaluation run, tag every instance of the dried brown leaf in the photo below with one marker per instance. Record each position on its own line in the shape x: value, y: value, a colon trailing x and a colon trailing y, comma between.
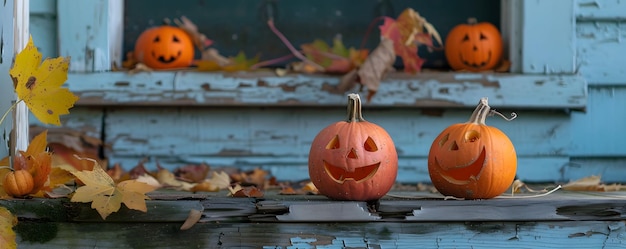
x: 377, y: 64
x: 287, y: 190
x: 200, y: 40
x: 192, y: 219
x: 192, y: 172
x: 249, y: 191
x: 591, y: 183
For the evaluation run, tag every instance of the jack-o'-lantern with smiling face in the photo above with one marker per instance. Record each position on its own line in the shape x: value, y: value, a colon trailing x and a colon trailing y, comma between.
x: 164, y: 47
x: 474, y: 46
x: 472, y: 160
x: 353, y: 159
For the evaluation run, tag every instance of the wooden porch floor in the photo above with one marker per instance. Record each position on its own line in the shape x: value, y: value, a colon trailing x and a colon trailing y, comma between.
x: 560, y: 220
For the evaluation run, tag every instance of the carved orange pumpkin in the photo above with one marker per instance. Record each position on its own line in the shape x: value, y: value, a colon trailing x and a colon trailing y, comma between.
x: 353, y: 159
x: 472, y: 160
x: 474, y: 46
x: 164, y: 47
x: 18, y: 183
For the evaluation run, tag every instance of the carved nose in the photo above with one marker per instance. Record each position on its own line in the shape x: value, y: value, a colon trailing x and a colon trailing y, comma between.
x: 352, y: 154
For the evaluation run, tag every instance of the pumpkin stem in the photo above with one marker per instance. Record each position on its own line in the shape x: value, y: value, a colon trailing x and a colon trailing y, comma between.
x: 494, y: 112
x: 472, y: 20
x: 483, y: 110
x: 354, y: 108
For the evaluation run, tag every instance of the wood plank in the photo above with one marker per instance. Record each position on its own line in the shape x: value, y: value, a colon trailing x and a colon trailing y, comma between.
x: 6, y: 57
x: 596, y: 129
x: 88, y: 121
x: 254, y: 132
x: 279, y: 139
x: 94, y: 43
x: 188, y: 88
x: 62, y: 210
x: 328, y: 212
x: 43, y: 26
x: 589, y: 234
x: 600, y: 10
x: 610, y: 168
x: 558, y: 55
x: 598, y: 46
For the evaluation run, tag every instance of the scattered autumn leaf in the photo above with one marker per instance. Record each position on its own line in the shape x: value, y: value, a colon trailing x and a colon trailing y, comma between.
x: 192, y: 219
x: 192, y: 172
x: 39, y: 85
x: 287, y: 190
x: 204, y: 187
x: 218, y: 181
x: 248, y: 191
x: 310, y: 188
x: 36, y: 160
x: 200, y: 40
x: 60, y: 175
x: 150, y: 180
x: 232, y: 64
x: 105, y: 196
x: 399, y: 37
x: 591, y: 183
x: 7, y: 235
x: 335, y: 59
x: 407, y: 31
x: 168, y: 180
x: 256, y: 177
x: 138, y: 170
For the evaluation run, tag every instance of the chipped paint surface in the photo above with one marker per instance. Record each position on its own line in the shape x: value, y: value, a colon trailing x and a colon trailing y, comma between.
x: 605, y: 10
x: 244, y: 89
x: 6, y: 57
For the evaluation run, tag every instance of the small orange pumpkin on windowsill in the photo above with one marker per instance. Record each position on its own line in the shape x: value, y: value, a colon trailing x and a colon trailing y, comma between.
x: 474, y: 46
x: 164, y: 47
x: 353, y: 159
x: 473, y: 160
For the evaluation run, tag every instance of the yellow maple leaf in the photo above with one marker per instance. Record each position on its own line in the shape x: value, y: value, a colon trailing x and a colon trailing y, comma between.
x: 105, y: 196
x: 7, y: 235
x: 39, y: 85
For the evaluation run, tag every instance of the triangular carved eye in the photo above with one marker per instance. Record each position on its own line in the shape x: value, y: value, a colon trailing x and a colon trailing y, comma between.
x: 444, y: 139
x: 472, y: 136
x: 156, y: 39
x: 333, y: 144
x: 175, y: 39
x: 370, y: 145
x: 482, y: 36
x: 465, y: 38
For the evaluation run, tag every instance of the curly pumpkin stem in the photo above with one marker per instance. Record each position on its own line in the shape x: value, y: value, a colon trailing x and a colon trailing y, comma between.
x: 483, y: 110
x: 354, y: 108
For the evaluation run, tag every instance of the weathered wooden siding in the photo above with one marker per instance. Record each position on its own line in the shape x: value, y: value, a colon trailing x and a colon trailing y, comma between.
x: 596, y: 134
x: 278, y: 139
x: 563, y: 132
x: 6, y: 58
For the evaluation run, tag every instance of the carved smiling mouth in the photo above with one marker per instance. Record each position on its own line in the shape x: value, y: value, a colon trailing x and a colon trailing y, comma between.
x: 166, y: 60
x: 463, y: 174
x: 360, y: 174
x: 476, y: 65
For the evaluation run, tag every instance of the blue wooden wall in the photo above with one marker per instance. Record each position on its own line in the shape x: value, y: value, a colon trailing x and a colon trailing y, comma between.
x: 571, y: 107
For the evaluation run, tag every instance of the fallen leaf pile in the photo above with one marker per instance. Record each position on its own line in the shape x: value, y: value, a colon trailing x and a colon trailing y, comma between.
x: 105, y: 195
x: 592, y: 183
x: 36, y: 160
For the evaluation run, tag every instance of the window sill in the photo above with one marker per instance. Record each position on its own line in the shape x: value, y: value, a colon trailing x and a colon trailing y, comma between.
x: 423, y: 90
